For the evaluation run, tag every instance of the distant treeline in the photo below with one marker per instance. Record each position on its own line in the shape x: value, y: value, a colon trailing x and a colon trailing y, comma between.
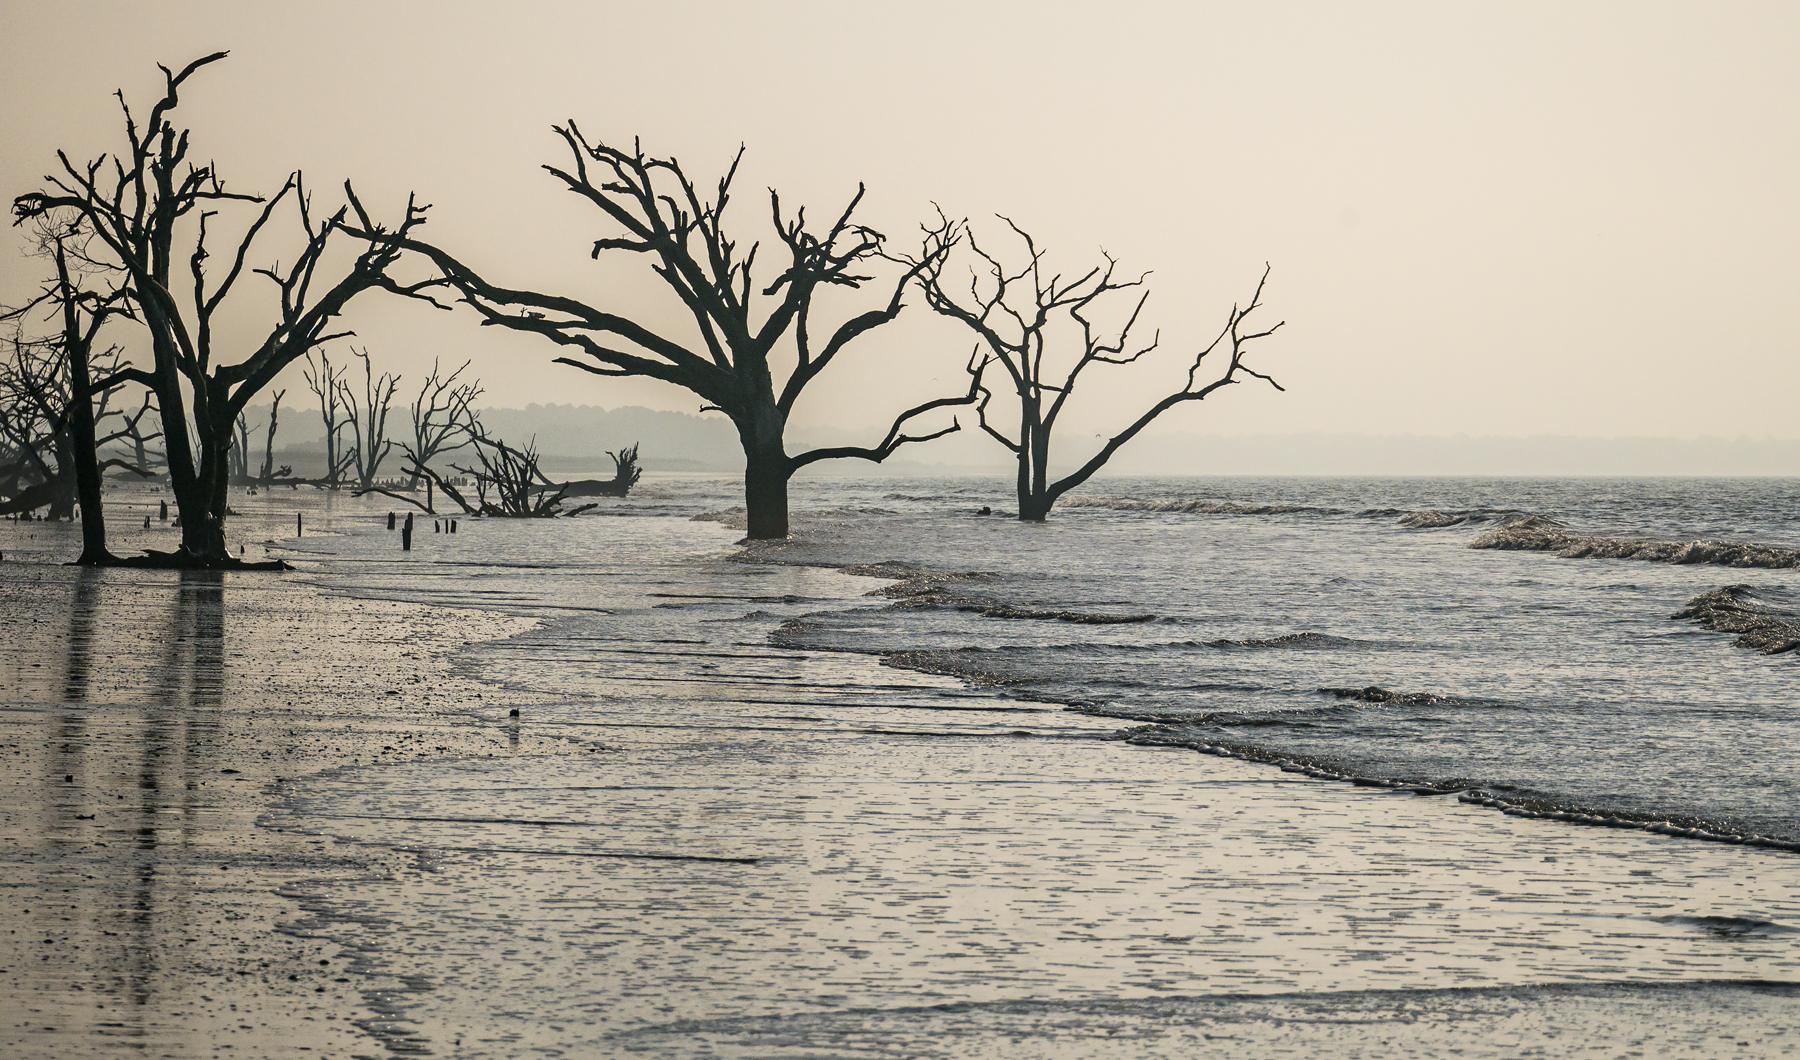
x: 567, y: 435
x: 575, y: 437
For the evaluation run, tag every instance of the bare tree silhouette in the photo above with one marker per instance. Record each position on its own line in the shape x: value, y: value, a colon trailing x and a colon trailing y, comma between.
x: 443, y: 417
x: 1022, y: 314
x: 240, y: 449
x: 682, y: 237
x: 368, y: 420
x: 40, y: 461
x: 507, y: 482
x: 34, y: 418
x: 52, y: 405
x: 326, y: 381
x: 134, y: 204
x: 144, y: 460
x: 268, y: 473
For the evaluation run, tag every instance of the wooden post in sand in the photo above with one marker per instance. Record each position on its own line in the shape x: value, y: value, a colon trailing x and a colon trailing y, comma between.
x: 163, y: 514
x: 406, y: 534
x: 390, y: 520
x: 299, y: 525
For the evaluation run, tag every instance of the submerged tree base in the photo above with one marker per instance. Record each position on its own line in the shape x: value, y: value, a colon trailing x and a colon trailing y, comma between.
x: 179, y: 560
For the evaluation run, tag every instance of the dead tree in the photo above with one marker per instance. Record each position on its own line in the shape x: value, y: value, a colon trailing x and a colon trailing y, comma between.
x: 240, y: 450
x: 326, y: 382
x: 662, y: 216
x: 144, y: 459
x: 34, y: 409
x: 443, y: 422
x: 51, y: 389
x: 150, y: 208
x: 368, y: 421
x: 508, y: 482
x: 512, y: 477
x: 50, y: 456
x: 268, y: 474
x: 1023, y: 315
x: 443, y: 417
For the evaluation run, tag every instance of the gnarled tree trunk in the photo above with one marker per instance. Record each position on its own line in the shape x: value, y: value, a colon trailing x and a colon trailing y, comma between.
x: 766, y: 474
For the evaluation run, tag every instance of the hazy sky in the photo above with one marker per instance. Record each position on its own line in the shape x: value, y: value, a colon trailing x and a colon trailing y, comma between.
x: 1508, y: 218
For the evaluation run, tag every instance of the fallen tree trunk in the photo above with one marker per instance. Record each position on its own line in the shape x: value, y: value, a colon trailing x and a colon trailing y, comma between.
x: 153, y: 560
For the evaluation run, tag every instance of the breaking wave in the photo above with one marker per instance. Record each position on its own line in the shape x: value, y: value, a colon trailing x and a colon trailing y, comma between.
x: 1537, y: 534
x: 973, y: 665
x: 1501, y: 797
x: 1436, y: 519
x: 977, y: 489
x: 1194, y: 507
x: 1250, y: 719
x: 1377, y: 694
x: 1082, y: 617
x: 731, y: 518
x: 1739, y: 609
x: 920, y: 589
x: 1729, y: 927
x: 1290, y: 640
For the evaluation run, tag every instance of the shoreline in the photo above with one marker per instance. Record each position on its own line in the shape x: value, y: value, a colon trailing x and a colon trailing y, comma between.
x: 907, y: 581
x: 797, y: 758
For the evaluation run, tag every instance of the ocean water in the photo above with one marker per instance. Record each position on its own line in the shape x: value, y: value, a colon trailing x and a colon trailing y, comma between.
x: 1236, y: 613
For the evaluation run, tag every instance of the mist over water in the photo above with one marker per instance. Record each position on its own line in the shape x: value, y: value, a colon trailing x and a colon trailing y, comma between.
x: 1244, y: 612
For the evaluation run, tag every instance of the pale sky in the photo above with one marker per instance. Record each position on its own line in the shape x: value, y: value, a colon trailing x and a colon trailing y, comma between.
x: 1508, y: 218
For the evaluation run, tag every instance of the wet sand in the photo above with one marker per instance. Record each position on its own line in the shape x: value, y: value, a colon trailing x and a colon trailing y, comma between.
x: 148, y: 719
x: 214, y: 785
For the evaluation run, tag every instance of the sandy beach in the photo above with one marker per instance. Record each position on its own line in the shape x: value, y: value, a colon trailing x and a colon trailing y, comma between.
x: 267, y: 815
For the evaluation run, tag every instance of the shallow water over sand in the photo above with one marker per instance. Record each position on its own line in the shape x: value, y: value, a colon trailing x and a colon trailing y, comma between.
x: 1531, y: 676
x: 919, y: 841
x: 761, y: 847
